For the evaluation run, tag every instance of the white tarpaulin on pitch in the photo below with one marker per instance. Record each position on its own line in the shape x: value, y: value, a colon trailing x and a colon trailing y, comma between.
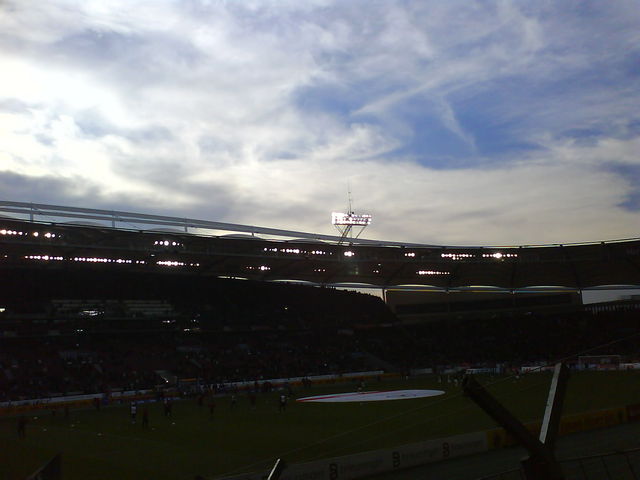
x: 372, y: 396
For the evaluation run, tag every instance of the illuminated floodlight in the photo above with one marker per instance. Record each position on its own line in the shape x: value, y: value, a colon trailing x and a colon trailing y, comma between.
x: 499, y: 255
x: 170, y: 263
x: 346, y: 222
x: 45, y: 258
x: 262, y: 268
x: 350, y: 219
x: 457, y: 256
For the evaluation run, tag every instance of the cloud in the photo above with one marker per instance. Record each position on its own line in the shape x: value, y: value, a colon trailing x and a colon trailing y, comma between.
x: 498, y: 122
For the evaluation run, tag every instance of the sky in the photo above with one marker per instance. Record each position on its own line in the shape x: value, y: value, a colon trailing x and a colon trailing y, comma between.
x: 451, y: 122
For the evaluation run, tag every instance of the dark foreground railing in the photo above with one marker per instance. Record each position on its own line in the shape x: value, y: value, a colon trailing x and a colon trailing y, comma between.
x: 622, y: 465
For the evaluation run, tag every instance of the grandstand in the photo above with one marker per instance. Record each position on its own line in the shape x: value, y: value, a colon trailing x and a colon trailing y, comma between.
x: 136, y: 306
x: 74, y: 237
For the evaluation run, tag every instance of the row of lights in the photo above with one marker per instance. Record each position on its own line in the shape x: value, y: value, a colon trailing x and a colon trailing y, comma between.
x: 261, y: 268
x: 11, y: 232
x: 350, y: 253
x: 499, y: 255
x: 106, y: 260
x: 46, y: 258
x: 265, y: 268
x: 18, y: 233
x: 463, y: 256
x: 170, y: 263
x: 293, y: 251
x: 457, y: 256
x: 174, y: 263
x: 164, y: 263
x: 167, y: 243
x: 296, y: 251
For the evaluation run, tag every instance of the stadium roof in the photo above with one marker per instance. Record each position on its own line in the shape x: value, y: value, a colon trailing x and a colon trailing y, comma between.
x: 69, y: 237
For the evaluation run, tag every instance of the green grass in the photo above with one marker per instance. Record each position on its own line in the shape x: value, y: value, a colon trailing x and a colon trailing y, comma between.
x: 105, y: 445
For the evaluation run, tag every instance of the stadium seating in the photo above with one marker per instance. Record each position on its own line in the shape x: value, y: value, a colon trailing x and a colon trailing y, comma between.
x: 123, y: 334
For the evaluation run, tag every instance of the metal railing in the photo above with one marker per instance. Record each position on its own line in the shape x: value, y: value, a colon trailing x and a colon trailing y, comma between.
x: 621, y: 465
x: 124, y: 220
x: 119, y: 219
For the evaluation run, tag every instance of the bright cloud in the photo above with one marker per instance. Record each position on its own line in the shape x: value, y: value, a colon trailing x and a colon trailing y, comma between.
x: 454, y: 122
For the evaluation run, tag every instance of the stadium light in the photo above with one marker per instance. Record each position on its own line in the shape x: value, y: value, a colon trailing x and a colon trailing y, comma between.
x: 350, y: 219
x: 431, y: 272
x: 346, y: 222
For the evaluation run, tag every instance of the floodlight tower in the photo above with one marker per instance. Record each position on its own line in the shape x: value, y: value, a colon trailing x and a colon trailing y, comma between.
x: 345, y: 222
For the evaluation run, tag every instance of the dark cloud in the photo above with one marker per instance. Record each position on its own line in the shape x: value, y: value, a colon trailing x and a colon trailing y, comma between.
x: 95, y: 47
x: 46, y: 189
x: 631, y: 174
x: 77, y: 192
x: 156, y: 171
x: 94, y: 125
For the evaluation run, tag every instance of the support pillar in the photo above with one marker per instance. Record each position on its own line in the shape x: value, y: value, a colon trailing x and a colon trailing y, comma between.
x: 541, y: 463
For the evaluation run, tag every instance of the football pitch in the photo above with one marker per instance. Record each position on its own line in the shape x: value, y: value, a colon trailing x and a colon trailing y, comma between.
x: 105, y: 444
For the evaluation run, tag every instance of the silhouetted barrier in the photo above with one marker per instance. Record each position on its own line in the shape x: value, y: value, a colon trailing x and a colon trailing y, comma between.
x: 623, y: 465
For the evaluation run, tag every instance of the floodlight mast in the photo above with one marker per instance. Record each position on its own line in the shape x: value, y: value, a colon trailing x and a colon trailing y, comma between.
x: 345, y: 222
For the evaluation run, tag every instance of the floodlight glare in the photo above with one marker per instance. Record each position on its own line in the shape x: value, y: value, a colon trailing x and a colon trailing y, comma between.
x: 346, y: 222
x: 350, y: 219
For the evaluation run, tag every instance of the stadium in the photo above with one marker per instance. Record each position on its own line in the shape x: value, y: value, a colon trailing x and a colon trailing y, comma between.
x: 239, y: 345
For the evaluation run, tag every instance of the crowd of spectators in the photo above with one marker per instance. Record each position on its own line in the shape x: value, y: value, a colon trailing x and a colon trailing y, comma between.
x: 511, y: 338
x: 245, y: 331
